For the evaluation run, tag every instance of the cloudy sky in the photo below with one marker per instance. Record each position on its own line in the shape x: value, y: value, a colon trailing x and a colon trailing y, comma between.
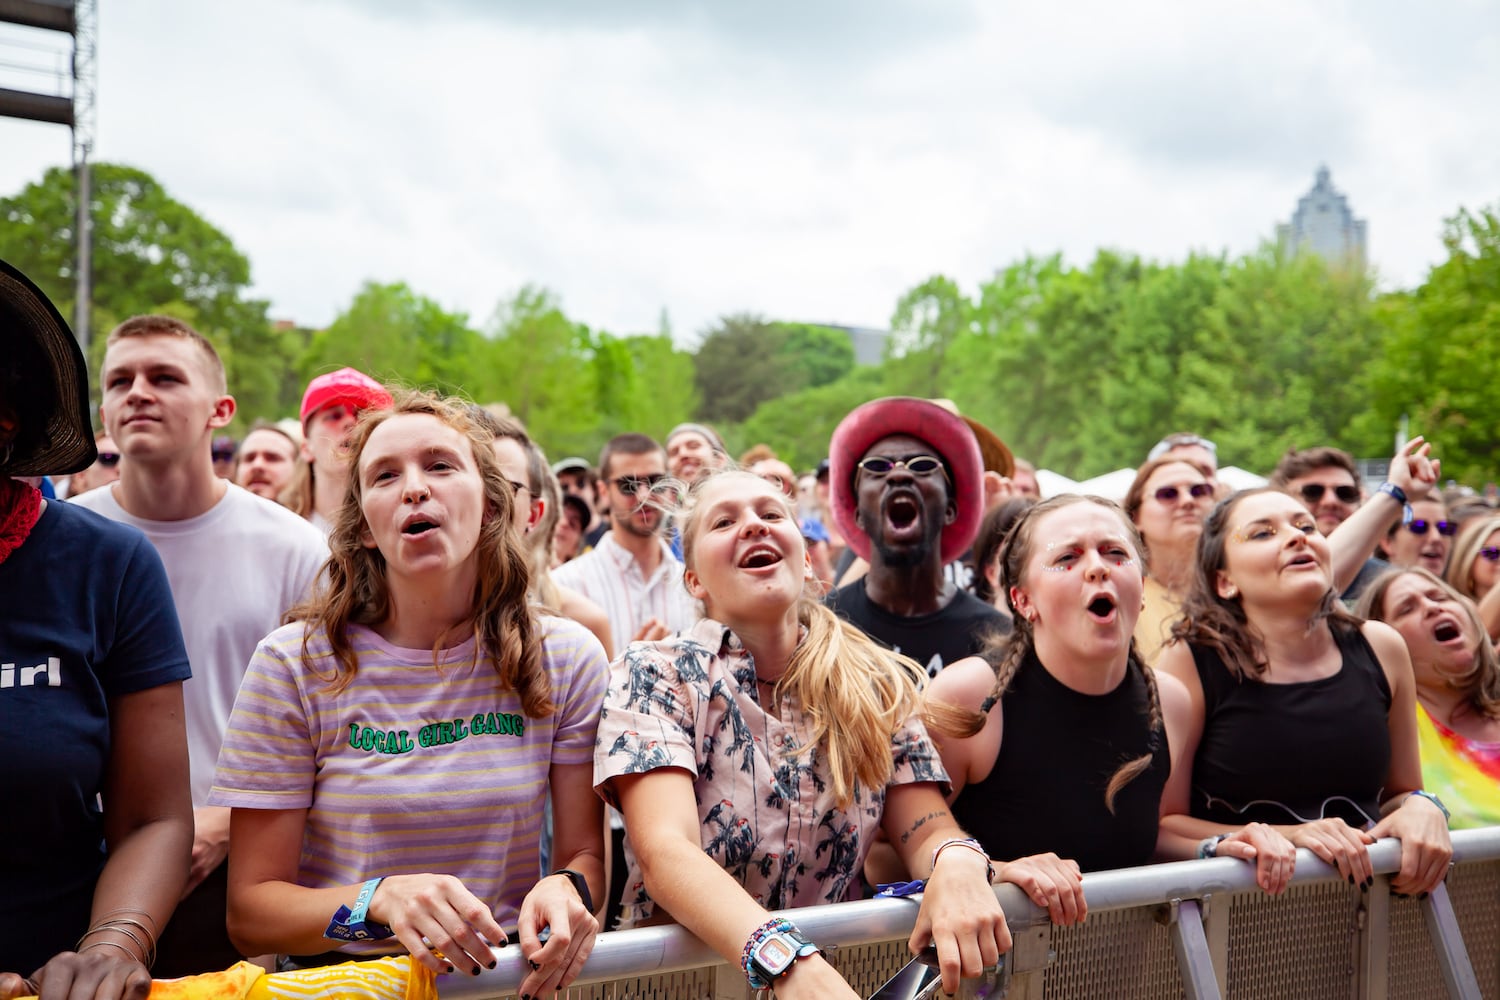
x: 804, y: 160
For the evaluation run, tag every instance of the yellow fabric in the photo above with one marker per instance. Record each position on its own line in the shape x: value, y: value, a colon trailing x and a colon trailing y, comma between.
x: 1154, y: 627
x: 394, y: 978
x: 1455, y: 770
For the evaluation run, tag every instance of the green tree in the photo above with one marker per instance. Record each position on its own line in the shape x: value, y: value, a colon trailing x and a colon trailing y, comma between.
x: 927, y: 321
x: 151, y: 254
x: 799, y: 424
x: 1439, y: 352
x: 736, y: 367
x: 538, y: 362
x: 398, y: 336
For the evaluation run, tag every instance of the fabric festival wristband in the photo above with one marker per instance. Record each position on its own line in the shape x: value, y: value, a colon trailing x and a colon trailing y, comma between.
x: 351, y: 925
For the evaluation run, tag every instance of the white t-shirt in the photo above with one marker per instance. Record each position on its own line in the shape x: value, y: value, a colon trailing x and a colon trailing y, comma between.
x: 609, y: 576
x: 234, y: 572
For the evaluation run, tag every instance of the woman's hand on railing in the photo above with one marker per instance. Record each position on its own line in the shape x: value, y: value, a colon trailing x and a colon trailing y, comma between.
x: 961, y: 916
x: 553, y: 903
x: 1426, y: 847
x: 1051, y: 882
x: 1274, y: 856
x: 102, y: 973
x: 436, y: 913
x: 1339, y: 844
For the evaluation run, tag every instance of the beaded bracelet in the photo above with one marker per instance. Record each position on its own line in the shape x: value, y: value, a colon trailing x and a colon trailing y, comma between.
x: 774, y: 925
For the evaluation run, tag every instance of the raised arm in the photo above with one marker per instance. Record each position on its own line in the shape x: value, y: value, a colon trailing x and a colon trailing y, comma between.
x: 661, y: 817
x: 1353, y: 542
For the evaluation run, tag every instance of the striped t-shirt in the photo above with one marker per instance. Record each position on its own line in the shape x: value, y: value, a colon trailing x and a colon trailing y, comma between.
x: 412, y: 768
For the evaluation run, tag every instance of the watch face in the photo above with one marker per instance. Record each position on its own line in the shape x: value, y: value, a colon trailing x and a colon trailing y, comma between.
x: 775, y: 953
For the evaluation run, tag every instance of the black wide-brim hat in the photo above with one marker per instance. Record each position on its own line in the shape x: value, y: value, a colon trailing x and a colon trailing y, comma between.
x: 66, y: 444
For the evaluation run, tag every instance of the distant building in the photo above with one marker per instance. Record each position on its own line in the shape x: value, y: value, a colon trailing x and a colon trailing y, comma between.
x: 869, y: 344
x: 1324, y: 224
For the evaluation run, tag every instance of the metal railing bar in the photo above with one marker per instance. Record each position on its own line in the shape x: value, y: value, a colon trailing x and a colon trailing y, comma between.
x: 1190, y: 945
x: 655, y: 950
x: 1448, y: 944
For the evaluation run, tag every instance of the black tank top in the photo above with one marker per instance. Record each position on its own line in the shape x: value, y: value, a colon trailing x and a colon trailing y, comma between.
x: 1058, y: 750
x: 1288, y: 753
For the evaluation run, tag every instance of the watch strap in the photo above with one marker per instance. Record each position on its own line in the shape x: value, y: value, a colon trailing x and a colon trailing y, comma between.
x: 580, y: 885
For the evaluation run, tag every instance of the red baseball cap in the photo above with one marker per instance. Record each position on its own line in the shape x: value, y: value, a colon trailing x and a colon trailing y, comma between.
x: 347, y: 386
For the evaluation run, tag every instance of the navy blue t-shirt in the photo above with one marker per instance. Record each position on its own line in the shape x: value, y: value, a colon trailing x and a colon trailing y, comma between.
x: 85, y: 615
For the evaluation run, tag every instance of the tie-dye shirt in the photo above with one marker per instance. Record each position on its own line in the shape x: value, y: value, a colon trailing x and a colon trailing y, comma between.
x: 1464, y: 773
x: 767, y: 818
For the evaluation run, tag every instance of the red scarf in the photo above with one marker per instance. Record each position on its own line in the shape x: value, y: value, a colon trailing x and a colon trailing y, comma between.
x: 20, y: 508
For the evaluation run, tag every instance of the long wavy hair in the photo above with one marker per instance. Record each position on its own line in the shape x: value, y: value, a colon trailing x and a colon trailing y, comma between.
x: 856, y: 694
x: 1220, y: 623
x: 1006, y: 655
x: 1460, y: 570
x: 1480, y: 684
x: 354, y: 588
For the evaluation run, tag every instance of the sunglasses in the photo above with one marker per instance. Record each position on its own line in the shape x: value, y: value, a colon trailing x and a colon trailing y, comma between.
x: 1490, y: 553
x: 1313, y: 492
x: 109, y: 459
x: 1419, y: 526
x: 223, y: 455
x: 634, y: 484
x: 917, y: 465
x: 1169, y: 494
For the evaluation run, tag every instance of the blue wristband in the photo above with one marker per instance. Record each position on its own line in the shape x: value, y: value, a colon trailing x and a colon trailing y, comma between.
x: 352, y: 925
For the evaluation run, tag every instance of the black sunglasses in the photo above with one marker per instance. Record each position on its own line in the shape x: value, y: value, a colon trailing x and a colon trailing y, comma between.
x: 1419, y: 526
x: 1491, y: 553
x: 223, y: 455
x: 1313, y: 492
x: 109, y: 459
x: 917, y: 465
x: 1169, y: 494
x: 634, y: 484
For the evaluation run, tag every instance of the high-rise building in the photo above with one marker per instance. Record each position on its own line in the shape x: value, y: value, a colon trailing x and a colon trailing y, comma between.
x: 1324, y: 224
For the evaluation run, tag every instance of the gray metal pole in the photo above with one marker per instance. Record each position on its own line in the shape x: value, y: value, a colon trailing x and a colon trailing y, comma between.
x: 83, y: 229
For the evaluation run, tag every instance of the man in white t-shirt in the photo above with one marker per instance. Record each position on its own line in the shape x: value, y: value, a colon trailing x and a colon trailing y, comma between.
x: 236, y: 562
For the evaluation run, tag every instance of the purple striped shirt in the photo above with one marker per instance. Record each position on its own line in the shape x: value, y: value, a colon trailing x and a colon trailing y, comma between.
x: 412, y: 768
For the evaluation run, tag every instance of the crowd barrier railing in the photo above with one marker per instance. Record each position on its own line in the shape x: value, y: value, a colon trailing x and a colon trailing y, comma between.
x: 1196, y: 929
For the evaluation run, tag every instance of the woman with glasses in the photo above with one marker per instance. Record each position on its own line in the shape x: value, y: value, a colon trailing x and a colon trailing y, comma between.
x: 1297, y: 716
x: 757, y: 755
x: 1474, y: 567
x: 1458, y: 689
x: 1423, y: 537
x: 1167, y: 503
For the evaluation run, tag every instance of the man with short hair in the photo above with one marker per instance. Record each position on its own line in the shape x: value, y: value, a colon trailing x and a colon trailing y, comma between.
x: 330, y: 406
x: 575, y: 477
x: 235, y: 564
x: 1326, y: 482
x: 905, y: 479
x: 631, y: 572
x: 694, y: 451
x: 266, y: 461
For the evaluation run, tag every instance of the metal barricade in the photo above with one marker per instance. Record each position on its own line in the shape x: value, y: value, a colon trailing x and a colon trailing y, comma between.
x: 1190, y: 929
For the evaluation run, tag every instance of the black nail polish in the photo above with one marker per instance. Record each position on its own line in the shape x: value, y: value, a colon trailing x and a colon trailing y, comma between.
x: 534, y: 965
x: 474, y: 971
x: 1351, y: 878
x: 492, y: 963
x: 525, y: 996
x: 451, y: 970
x: 1421, y: 895
x: 1369, y: 881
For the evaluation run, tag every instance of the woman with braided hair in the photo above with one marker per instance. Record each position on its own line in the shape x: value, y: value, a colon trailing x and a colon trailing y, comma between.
x: 1069, y: 680
x: 1298, y: 715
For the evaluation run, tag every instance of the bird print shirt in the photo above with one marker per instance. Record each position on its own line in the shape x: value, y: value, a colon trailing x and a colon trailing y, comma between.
x: 767, y: 814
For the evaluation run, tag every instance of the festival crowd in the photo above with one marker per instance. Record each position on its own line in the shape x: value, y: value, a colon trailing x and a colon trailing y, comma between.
x: 383, y: 679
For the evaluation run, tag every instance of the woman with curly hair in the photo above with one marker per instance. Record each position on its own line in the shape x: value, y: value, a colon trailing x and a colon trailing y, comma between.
x: 1297, y: 716
x: 1458, y: 689
x: 757, y: 755
x: 389, y: 745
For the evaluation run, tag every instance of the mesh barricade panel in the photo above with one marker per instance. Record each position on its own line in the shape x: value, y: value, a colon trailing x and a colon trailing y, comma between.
x: 1301, y: 946
x: 1119, y: 955
x: 866, y: 967
x: 1412, y: 963
x: 1475, y: 891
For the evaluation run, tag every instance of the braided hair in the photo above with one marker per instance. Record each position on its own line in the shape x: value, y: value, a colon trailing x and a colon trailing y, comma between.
x: 1007, y: 654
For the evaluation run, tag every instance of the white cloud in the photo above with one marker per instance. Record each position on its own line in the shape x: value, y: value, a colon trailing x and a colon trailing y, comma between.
x: 802, y: 161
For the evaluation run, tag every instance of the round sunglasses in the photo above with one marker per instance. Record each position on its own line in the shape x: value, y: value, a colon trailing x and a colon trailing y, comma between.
x: 1419, y: 526
x: 917, y: 465
x: 1169, y: 494
x: 1313, y: 492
